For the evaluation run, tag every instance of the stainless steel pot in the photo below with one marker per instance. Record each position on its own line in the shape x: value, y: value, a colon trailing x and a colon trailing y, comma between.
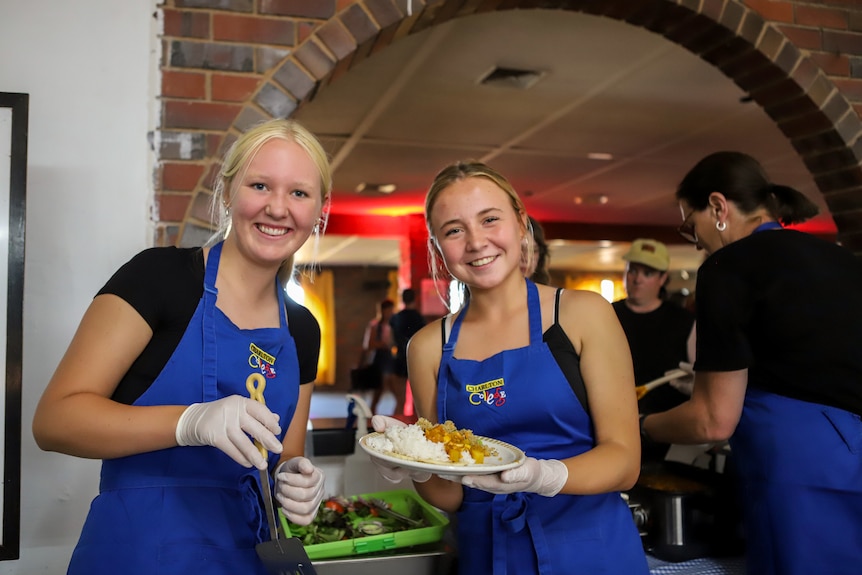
x: 683, y: 512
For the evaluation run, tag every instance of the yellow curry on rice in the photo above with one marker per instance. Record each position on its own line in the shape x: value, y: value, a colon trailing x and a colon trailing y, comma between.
x: 455, y: 441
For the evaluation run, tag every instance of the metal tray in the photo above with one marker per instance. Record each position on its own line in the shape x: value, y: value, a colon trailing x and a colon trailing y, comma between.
x: 431, y: 559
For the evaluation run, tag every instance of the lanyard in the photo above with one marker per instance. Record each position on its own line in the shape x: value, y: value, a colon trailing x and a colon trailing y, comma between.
x: 767, y: 226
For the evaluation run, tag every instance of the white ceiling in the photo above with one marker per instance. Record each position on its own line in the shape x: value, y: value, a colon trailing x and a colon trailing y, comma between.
x: 606, y: 87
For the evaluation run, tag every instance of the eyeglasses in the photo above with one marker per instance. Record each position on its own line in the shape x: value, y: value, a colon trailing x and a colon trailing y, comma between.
x: 686, y: 229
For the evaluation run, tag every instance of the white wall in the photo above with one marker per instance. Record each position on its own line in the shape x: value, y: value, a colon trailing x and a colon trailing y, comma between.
x: 88, y: 66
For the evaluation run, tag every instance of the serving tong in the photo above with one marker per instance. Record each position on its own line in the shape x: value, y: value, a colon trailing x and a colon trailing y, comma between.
x: 642, y: 390
x: 384, y: 508
x: 280, y: 556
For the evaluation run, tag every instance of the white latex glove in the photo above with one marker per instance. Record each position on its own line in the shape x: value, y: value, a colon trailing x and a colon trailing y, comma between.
x: 389, y: 471
x: 683, y: 384
x: 543, y: 476
x: 226, y: 424
x: 299, y: 488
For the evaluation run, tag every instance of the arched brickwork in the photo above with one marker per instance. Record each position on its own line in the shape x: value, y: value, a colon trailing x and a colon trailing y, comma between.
x: 230, y: 63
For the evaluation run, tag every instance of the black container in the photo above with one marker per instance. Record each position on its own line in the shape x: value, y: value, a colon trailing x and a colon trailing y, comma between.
x: 339, y: 441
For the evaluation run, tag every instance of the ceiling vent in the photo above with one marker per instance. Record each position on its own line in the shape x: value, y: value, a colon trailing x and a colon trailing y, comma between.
x: 511, y: 78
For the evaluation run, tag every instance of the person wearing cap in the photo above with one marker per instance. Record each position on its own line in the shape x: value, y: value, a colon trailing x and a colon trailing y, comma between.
x: 660, y: 333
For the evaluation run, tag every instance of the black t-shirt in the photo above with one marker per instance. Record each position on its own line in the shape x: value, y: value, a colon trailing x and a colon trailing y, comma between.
x: 785, y: 305
x: 659, y: 342
x: 165, y: 285
x: 404, y: 325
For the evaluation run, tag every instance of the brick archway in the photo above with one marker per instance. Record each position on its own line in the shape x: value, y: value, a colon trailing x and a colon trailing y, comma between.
x: 760, y: 52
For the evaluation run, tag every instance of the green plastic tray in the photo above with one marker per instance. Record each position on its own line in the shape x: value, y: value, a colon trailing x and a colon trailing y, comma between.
x: 400, y: 501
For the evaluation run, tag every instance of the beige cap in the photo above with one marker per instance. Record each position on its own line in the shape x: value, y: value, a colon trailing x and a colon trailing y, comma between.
x: 649, y: 253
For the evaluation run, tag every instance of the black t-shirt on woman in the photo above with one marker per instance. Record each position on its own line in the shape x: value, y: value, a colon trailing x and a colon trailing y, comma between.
x: 165, y: 285
x: 785, y: 305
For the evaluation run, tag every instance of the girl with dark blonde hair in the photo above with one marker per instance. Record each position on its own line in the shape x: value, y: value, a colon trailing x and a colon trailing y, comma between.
x: 544, y: 369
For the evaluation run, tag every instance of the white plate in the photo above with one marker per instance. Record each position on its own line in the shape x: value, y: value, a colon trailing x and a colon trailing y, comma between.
x: 507, y: 457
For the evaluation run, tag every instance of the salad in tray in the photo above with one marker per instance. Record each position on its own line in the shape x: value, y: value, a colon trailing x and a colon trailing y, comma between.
x: 340, y: 518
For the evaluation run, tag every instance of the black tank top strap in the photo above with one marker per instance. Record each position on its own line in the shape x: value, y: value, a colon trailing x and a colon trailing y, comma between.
x: 565, y: 355
x: 557, y: 305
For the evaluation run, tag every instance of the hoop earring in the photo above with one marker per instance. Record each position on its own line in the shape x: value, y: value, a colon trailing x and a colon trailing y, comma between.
x: 721, y: 226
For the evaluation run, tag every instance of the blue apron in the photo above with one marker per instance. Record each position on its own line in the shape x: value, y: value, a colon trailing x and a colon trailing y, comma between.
x: 800, y: 467
x: 527, y: 401
x: 193, y: 509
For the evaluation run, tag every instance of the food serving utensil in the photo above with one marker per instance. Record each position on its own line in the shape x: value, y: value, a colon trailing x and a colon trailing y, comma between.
x: 279, y: 556
x: 642, y: 390
x: 384, y: 508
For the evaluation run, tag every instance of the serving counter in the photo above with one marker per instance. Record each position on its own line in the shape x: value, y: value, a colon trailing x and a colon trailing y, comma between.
x: 350, y: 471
x: 432, y: 559
x: 440, y: 559
x: 701, y: 566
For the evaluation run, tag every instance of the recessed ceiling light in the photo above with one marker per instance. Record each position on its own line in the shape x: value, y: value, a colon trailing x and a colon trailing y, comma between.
x: 604, y: 156
x: 592, y: 199
x: 375, y: 188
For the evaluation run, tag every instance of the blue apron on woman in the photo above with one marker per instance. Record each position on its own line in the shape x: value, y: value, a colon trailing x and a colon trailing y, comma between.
x: 800, y: 466
x: 193, y: 509
x: 521, y: 396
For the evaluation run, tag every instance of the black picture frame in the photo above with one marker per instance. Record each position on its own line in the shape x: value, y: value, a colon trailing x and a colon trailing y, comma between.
x: 14, y: 114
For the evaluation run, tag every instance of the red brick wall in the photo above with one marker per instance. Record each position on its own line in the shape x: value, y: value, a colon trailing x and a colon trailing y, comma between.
x: 229, y: 63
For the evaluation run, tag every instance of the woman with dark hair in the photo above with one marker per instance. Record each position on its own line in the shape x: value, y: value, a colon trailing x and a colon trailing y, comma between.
x: 778, y: 368
x: 535, y: 264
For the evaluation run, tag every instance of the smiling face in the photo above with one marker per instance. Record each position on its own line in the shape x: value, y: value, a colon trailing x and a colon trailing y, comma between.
x: 477, y: 231
x: 275, y: 202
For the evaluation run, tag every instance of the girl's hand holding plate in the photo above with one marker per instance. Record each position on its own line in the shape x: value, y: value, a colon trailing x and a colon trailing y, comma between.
x: 543, y: 476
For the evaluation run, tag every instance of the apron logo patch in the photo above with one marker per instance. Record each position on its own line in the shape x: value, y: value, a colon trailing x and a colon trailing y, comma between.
x: 259, y: 359
x: 488, y: 393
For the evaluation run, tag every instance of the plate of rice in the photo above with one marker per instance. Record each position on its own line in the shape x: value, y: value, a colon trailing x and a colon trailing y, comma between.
x: 442, y: 449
